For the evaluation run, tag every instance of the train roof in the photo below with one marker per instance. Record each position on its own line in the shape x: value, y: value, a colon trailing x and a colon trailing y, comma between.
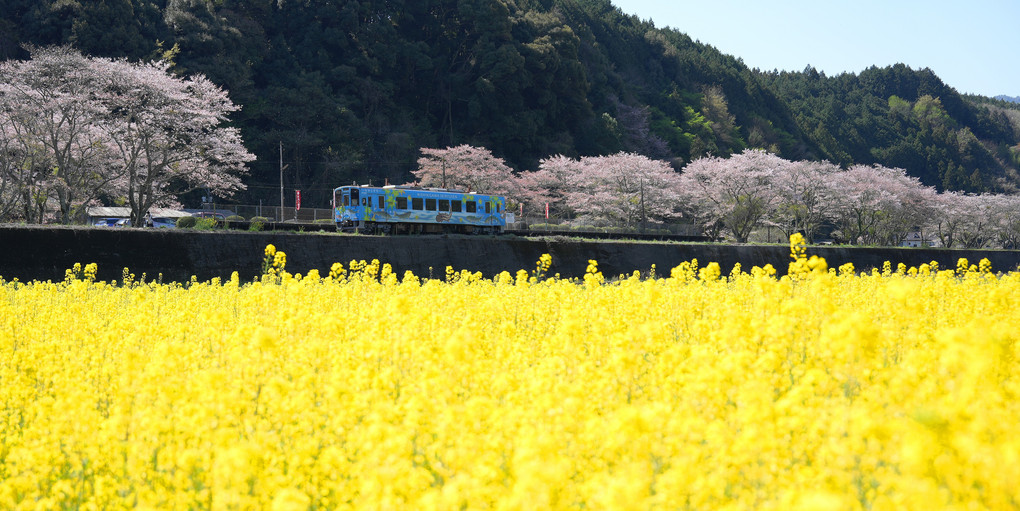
x: 416, y: 188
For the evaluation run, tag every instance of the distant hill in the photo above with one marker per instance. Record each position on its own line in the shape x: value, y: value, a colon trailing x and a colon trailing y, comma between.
x: 1011, y: 99
x: 352, y: 90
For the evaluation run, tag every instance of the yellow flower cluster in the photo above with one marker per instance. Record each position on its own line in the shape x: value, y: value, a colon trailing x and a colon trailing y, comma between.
x: 701, y: 390
x: 801, y: 264
x: 274, y: 263
x: 77, y: 272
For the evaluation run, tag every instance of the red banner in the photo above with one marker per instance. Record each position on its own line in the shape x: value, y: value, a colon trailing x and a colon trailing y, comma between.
x: 297, y: 200
x: 546, y: 210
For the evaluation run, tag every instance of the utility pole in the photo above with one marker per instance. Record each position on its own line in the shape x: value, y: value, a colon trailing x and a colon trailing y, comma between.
x: 282, y: 166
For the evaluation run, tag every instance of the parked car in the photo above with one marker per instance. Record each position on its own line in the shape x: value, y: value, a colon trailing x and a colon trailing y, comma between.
x: 164, y: 222
x: 112, y: 222
x: 210, y: 214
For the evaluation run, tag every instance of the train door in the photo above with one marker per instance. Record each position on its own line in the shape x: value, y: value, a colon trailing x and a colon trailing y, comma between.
x: 340, y: 200
x: 382, y: 208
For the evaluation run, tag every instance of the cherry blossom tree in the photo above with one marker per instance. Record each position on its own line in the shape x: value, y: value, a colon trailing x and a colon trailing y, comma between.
x: 549, y: 184
x: 624, y: 188
x: 879, y: 205
x: 1007, y: 214
x: 48, y: 104
x: 167, y: 134
x: 13, y: 180
x: 735, y: 193
x: 805, y: 197
x: 633, y: 122
x: 25, y: 170
x: 912, y: 212
x: 468, y: 168
x: 948, y: 218
x: 977, y: 221
x: 79, y: 129
x: 974, y: 221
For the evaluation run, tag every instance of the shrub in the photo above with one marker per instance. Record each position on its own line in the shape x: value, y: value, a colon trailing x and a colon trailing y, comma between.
x: 233, y: 220
x: 206, y: 224
x: 257, y: 223
x: 186, y: 222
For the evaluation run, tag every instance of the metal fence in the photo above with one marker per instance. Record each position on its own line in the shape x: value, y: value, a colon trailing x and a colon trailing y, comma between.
x: 275, y: 213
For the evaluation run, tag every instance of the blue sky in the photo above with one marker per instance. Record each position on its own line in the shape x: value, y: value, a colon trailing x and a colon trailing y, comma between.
x: 973, y: 46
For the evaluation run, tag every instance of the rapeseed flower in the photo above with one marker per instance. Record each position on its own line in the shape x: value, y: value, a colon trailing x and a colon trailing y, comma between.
x: 825, y: 389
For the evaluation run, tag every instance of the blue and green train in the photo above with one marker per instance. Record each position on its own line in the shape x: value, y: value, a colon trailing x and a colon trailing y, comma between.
x: 413, y: 210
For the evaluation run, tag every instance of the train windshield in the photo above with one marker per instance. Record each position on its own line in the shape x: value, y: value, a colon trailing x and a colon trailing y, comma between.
x: 342, y: 197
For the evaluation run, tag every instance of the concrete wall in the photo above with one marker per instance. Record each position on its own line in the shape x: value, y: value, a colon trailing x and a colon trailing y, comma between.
x: 43, y: 253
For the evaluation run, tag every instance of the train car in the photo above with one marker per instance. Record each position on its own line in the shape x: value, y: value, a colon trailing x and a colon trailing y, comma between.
x: 412, y: 210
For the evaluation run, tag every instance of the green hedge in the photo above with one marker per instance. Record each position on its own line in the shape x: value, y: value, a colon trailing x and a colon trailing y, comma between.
x: 187, y: 222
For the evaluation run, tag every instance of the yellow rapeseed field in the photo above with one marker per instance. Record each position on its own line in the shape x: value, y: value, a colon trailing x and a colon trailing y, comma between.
x: 698, y: 388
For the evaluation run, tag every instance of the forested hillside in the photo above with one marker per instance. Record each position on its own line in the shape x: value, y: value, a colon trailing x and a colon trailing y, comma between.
x: 352, y: 90
x: 906, y: 118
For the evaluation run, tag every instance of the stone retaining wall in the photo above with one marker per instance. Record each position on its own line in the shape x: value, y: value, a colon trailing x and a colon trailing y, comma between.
x: 43, y: 253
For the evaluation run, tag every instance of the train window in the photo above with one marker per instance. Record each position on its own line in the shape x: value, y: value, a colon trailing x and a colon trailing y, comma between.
x: 382, y: 202
x: 430, y: 204
x: 354, y: 196
x: 488, y: 208
x: 401, y: 202
x: 364, y: 202
x: 472, y: 206
x: 347, y: 200
x: 457, y: 206
x: 417, y: 203
x: 497, y: 207
x: 444, y: 205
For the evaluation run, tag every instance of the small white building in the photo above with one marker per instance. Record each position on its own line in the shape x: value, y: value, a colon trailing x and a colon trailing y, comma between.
x: 915, y: 239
